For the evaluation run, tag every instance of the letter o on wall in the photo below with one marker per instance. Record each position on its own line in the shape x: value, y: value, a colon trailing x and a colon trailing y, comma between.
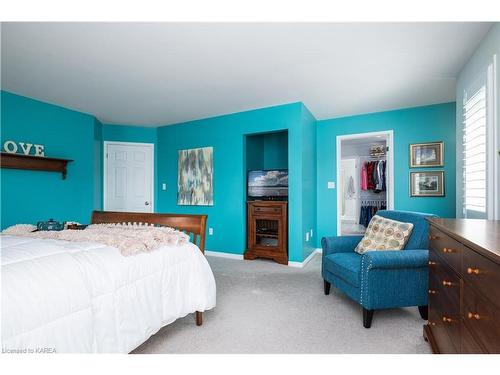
x: 10, y: 147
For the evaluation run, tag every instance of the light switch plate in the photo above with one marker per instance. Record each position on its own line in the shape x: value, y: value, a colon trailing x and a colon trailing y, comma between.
x: 331, y: 184
x: 307, y: 237
x: 210, y: 231
x: 311, y: 233
x: 164, y: 186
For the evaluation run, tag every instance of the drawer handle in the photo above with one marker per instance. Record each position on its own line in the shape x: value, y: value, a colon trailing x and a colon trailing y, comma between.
x: 446, y: 250
x: 473, y: 316
x: 431, y: 291
x: 474, y: 271
x: 446, y: 283
x: 446, y: 319
x: 431, y: 263
x: 431, y: 237
x: 431, y: 323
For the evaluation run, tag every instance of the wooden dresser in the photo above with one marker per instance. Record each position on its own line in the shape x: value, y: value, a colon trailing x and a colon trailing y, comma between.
x: 267, y: 230
x: 464, y: 286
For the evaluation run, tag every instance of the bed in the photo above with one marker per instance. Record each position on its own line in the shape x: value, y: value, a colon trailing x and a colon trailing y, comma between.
x: 60, y: 296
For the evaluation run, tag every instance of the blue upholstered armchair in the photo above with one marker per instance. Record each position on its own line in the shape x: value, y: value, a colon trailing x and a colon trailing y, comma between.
x: 380, y: 279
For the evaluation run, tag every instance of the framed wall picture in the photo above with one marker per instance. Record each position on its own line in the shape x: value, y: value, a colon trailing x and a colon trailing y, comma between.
x: 195, y: 177
x: 427, y: 154
x: 427, y: 184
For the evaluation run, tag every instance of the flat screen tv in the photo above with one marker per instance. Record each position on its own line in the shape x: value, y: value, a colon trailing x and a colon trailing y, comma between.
x: 268, y: 184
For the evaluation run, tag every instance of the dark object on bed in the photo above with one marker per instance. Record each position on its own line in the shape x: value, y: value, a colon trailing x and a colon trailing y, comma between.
x: 50, y: 225
x: 193, y: 225
x: 76, y: 226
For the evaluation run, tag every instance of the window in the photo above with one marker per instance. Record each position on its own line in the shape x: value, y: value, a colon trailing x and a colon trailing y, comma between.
x: 475, y: 150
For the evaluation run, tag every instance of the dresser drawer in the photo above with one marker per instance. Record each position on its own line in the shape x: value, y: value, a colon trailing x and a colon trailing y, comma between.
x: 468, y: 343
x: 482, y: 318
x: 266, y: 210
x: 448, y: 248
x: 444, y: 284
x: 482, y: 274
x: 441, y: 332
x: 444, y: 305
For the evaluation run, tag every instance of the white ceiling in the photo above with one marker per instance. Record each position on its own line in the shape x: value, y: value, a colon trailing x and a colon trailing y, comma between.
x: 163, y: 73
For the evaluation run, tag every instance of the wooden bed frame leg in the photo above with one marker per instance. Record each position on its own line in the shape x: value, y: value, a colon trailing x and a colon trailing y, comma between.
x: 199, y: 318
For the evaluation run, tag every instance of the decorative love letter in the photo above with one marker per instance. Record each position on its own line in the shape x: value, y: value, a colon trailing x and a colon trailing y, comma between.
x: 39, y: 150
x: 10, y: 147
x: 25, y: 147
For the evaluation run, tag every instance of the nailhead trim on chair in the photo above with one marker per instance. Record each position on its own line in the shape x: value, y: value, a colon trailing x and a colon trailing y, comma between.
x: 362, y: 273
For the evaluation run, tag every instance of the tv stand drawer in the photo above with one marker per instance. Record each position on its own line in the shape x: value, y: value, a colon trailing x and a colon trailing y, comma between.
x: 268, y: 209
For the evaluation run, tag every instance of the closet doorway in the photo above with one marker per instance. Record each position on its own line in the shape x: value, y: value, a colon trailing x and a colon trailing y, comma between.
x: 365, y: 179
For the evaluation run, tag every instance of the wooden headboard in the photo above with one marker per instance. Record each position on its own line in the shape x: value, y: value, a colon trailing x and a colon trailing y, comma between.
x: 193, y: 225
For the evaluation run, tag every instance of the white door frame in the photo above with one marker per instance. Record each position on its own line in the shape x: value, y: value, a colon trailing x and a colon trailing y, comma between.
x: 389, y: 136
x: 105, y: 169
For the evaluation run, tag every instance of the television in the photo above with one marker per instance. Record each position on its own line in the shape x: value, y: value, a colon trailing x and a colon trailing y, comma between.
x: 269, y: 184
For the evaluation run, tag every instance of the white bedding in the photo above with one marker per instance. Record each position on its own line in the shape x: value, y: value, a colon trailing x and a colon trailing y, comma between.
x: 87, y: 297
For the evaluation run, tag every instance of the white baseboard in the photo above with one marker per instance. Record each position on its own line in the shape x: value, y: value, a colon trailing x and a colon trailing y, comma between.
x: 307, y: 260
x: 224, y: 255
x: 240, y: 257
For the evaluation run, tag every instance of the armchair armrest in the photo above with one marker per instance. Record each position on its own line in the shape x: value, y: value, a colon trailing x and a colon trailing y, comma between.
x: 339, y: 244
x: 396, y: 259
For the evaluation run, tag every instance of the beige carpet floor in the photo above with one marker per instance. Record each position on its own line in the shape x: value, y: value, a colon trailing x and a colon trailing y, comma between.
x: 264, y: 307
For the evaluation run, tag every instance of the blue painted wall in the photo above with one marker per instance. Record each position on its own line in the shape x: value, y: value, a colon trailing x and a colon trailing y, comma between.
x: 267, y: 151
x: 309, y: 171
x: 275, y: 150
x: 413, y: 125
x: 227, y: 135
x: 30, y: 196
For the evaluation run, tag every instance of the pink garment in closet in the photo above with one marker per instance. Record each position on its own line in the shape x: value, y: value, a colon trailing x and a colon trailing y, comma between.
x: 364, y: 177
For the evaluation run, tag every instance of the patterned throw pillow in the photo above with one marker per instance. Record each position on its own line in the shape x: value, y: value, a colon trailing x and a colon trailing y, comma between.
x: 384, y: 234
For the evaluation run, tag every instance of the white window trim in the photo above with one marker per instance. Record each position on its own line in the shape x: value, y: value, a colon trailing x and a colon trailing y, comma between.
x: 492, y: 147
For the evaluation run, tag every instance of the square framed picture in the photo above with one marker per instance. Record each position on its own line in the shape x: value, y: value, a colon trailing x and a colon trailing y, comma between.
x: 427, y: 184
x: 427, y: 155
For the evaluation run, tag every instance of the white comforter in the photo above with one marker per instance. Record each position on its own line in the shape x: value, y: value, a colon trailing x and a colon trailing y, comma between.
x: 87, y: 297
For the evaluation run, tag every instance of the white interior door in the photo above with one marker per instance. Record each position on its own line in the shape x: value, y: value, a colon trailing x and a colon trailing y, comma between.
x: 128, y: 176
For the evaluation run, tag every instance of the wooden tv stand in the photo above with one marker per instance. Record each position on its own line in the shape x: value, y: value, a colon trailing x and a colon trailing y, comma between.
x: 267, y: 230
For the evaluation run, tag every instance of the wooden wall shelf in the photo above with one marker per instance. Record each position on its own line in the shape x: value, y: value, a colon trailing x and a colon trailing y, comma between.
x: 36, y: 163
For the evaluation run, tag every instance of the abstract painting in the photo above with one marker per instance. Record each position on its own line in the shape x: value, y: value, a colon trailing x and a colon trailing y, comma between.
x: 195, y: 177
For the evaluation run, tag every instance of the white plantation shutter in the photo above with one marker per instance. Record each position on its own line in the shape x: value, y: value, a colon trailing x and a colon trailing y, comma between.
x: 475, y: 149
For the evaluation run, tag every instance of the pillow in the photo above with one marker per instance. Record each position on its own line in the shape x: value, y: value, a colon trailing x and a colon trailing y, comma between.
x: 384, y: 234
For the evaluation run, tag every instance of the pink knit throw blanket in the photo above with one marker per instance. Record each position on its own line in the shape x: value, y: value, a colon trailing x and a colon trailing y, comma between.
x: 130, y: 239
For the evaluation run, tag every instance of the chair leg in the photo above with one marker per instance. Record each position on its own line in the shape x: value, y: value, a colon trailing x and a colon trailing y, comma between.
x: 424, y: 312
x: 367, y: 318
x: 199, y: 318
x: 326, y: 286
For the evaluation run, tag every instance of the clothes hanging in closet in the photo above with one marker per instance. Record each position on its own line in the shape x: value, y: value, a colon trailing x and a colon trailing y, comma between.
x: 368, y: 211
x: 373, y: 176
x: 364, y: 177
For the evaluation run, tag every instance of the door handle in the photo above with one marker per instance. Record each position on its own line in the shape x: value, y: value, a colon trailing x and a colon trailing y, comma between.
x: 146, y: 203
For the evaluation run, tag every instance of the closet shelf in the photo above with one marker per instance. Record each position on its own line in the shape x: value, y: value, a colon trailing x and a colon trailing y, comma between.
x: 35, y: 163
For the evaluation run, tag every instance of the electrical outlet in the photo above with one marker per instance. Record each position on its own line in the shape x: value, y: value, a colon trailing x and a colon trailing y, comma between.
x: 307, y: 237
x: 164, y: 186
x: 331, y: 184
x: 210, y: 231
